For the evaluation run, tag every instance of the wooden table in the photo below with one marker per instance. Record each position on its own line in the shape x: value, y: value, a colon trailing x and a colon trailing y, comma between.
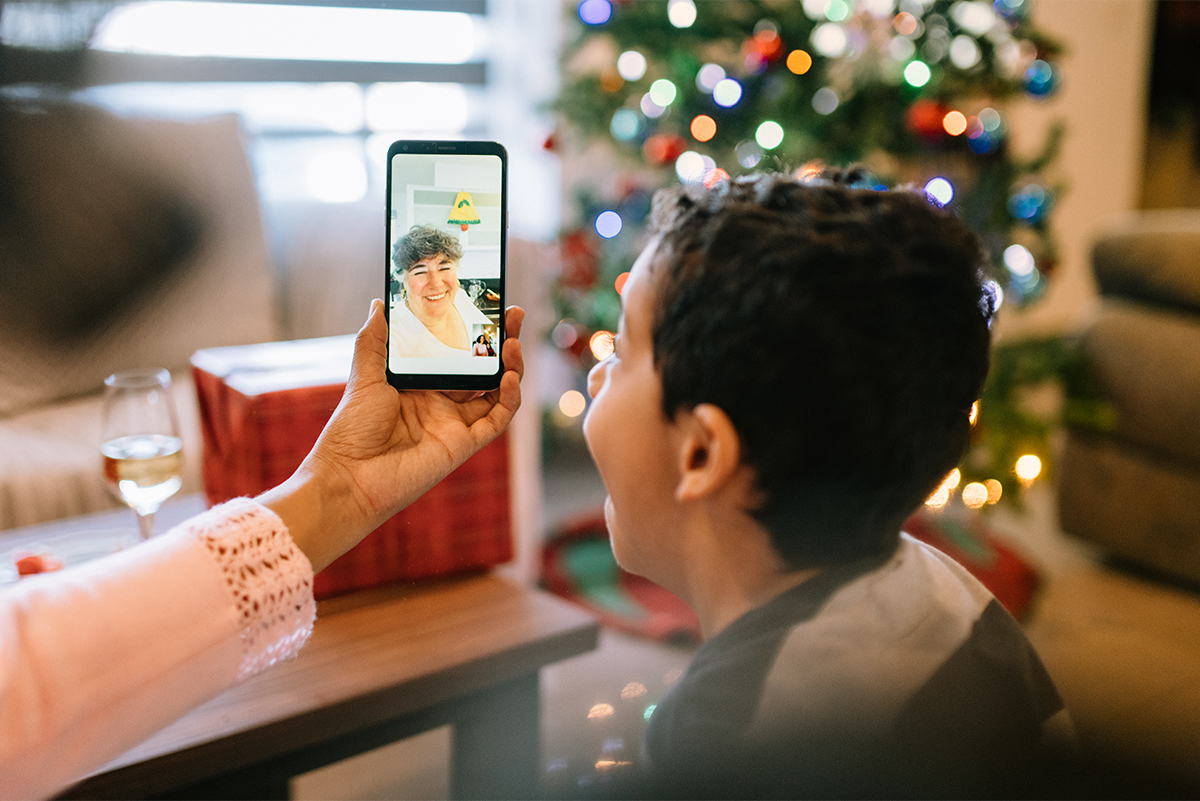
x: 382, y: 664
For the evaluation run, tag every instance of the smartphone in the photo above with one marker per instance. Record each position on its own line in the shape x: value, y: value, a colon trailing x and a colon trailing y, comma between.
x: 447, y: 224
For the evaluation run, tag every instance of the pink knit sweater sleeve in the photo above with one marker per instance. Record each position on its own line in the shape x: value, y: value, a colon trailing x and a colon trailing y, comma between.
x: 95, y: 658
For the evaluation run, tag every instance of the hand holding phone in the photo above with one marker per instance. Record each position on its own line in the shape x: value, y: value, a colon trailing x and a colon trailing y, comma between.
x: 447, y: 219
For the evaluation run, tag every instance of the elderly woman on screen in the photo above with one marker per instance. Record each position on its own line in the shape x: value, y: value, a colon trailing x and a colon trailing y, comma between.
x: 432, y: 316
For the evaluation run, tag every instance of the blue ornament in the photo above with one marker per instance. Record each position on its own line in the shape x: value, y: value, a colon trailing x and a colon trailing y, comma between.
x: 1030, y: 204
x: 980, y: 143
x: 595, y: 12
x: 1011, y: 10
x: 1040, y: 79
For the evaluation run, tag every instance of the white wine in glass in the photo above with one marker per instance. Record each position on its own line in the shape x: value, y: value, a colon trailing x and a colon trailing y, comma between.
x: 142, y: 451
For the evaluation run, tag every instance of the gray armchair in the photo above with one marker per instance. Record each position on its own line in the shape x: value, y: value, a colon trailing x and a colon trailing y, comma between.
x: 1136, y: 490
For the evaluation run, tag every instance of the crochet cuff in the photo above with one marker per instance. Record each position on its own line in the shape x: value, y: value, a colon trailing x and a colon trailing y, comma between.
x: 269, y: 577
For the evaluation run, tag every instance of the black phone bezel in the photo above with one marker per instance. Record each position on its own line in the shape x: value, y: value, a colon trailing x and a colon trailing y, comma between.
x: 447, y: 381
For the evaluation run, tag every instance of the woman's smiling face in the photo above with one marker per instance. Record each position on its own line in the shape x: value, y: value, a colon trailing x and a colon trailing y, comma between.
x: 432, y: 283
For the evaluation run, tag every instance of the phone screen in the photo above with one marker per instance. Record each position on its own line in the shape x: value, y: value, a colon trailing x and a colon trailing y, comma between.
x: 446, y: 222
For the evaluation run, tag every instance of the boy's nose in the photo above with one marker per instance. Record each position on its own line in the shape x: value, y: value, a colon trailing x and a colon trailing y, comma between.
x: 595, y: 377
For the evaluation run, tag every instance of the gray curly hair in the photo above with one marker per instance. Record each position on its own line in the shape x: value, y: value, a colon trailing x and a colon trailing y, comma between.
x: 420, y: 243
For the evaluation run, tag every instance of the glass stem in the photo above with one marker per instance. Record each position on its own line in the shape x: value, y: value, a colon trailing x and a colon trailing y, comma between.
x: 146, y: 524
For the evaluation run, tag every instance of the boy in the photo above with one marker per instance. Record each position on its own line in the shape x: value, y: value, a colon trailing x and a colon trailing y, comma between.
x: 793, y: 375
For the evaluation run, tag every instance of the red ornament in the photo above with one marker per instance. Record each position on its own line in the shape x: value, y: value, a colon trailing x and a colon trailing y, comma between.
x: 924, y: 118
x: 580, y: 260
x: 663, y: 148
x: 765, y: 43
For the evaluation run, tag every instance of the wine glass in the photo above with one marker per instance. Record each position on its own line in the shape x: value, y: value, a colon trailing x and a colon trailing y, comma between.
x: 142, y: 451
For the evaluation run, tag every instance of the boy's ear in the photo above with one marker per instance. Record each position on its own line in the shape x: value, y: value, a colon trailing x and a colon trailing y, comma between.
x: 710, y: 451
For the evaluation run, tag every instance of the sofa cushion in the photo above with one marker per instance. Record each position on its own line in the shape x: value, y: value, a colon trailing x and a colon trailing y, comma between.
x: 50, y: 458
x: 221, y: 294
x: 1152, y: 256
x: 1146, y: 363
x: 1135, y: 504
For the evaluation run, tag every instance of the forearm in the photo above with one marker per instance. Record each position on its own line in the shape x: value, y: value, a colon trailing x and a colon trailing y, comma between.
x: 320, y: 513
x: 96, y: 658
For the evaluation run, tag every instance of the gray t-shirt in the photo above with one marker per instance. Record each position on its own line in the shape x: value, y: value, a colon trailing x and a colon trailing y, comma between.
x: 900, y: 675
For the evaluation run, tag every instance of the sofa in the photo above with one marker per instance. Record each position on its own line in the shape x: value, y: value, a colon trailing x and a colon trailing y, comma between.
x: 259, y: 272
x: 1118, y: 622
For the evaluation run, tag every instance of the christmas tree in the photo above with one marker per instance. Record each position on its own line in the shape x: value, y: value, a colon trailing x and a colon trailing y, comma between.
x: 917, y: 91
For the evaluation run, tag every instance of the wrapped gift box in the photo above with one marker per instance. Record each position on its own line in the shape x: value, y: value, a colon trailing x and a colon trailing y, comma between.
x: 262, y: 408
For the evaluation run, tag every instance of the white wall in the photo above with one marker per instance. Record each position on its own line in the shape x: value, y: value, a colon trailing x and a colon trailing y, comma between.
x: 1102, y: 100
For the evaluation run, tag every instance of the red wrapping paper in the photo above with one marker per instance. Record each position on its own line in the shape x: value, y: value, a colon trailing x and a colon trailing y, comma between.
x: 262, y: 408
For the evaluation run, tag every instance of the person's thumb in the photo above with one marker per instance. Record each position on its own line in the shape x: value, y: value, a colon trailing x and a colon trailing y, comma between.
x: 370, y: 349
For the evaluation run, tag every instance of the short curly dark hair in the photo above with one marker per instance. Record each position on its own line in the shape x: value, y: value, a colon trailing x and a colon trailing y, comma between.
x: 421, y: 242
x: 844, y: 331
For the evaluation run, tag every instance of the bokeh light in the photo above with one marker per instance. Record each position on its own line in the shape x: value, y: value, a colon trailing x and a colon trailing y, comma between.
x: 1019, y: 260
x: 631, y: 65
x: 714, y: 177
x: 980, y: 143
x: 611, y: 81
x: 1040, y: 79
x: 799, y: 62
x: 572, y: 404
x: 564, y: 334
x: 595, y: 12
x: 973, y: 415
x: 830, y: 39
x: 755, y: 63
x: 634, y: 689
x: 941, y: 496
x: 810, y: 171
x: 995, y: 490
x: 901, y: 49
x: 974, y: 495
x: 976, y: 16
x: 626, y: 124
x: 601, y: 345
x: 991, y: 119
x: 837, y: 10
x: 954, y: 123
x: 748, y: 153
x: 905, y: 24
x: 608, y: 224
x: 996, y: 292
x: 825, y: 100
x: 600, y: 711
x: 663, y: 92
x: 1027, y: 468
x: 692, y: 167
x: 917, y: 74
x: 650, y: 108
x: 619, y: 284
x: 727, y: 92
x: 964, y: 52
x: 769, y: 135
x: 681, y: 13
x: 953, y: 478
x: 703, y: 127
x: 940, y: 191
x: 938, y: 499
x: 708, y: 77
x: 1029, y: 204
